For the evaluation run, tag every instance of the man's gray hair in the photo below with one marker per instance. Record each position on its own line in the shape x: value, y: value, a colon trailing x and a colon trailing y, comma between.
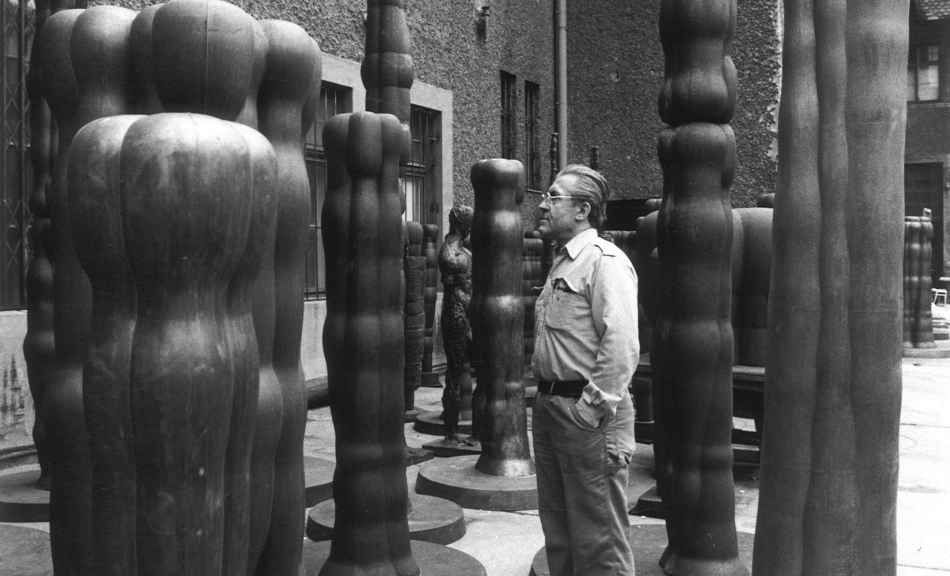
x: 592, y: 188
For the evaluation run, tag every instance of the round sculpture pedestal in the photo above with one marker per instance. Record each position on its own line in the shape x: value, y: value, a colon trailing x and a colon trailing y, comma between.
x: 456, y: 479
x: 443, y: 448
x: 431, y: 423
x: 433, y: 559
x: 24, y: 551
x: 650, y: 505
x: 20, y: 499
x: 318, y: 478
x: 648, y: 542
x: 431, y: 519
x: 431, y: 380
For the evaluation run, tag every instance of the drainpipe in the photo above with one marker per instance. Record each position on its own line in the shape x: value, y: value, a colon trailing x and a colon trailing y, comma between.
x: 560, y: 71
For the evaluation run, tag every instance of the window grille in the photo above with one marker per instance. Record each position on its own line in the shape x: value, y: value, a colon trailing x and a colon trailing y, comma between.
x: 334, y: 99
x: 17, y: 23
x: 923, y: 73
x: 532, y: 112
x: 509, y: 115
x: 421, y: 181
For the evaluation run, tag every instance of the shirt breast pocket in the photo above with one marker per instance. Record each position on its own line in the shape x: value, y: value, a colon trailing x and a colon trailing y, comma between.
x: 567, y: 308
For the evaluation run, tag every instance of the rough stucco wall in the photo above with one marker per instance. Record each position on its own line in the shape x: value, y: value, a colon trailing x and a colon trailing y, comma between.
x: 615, y: 68
x: 448, y: 54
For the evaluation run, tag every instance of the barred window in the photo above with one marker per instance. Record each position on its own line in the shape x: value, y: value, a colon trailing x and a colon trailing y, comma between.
x: 509, y: 115
x: 334, y: 99
x: 923, y: 73
x: 532, y: 143
x: 17, y: 23
x: 421, y: 183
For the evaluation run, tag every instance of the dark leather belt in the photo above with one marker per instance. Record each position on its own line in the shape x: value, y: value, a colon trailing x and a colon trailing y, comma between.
x: 567, y: 388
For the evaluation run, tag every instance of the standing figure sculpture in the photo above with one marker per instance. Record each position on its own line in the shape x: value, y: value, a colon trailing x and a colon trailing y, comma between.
x: 586, y: 351
x: 455, y: 264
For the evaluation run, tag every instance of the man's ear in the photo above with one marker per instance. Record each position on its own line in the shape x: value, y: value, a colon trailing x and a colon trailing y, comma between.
x: 583, y: 212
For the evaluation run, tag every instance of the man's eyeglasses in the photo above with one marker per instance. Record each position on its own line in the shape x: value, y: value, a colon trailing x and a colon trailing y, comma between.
x: 546, y: 197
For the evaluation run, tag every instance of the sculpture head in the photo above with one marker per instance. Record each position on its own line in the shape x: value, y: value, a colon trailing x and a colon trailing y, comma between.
x: 460, y: 219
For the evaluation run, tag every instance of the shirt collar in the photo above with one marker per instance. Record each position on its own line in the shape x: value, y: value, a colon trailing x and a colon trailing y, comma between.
x: 578, y: 242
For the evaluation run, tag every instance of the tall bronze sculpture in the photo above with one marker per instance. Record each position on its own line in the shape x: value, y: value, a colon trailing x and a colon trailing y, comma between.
x: 692, y: 344
x: 455, y: 263
x: 497, y: 316
x: 430, y: 233
x: 293, y: 65
x: 363, y: 337
x: 827, y: 502
x: 414, y: 314
x: 918, y: 254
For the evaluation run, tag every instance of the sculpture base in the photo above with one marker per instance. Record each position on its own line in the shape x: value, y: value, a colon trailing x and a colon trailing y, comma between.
x: 431, y: 423
x: 530, y: 393
x: 650, y: 505
x: 318, y: 478
x: 433, y: 559
x: 412, y: 414
x: 447, y: 449
x: 20, y: 499
x: 456, y: 479
x: 24, y: 551
x: 649, y: 541
x: 432, y: 520
x: 431, y: 380
x: 417, y: 455
x: 643, y: 432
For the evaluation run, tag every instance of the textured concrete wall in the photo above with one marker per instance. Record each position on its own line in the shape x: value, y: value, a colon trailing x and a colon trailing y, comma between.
x: 615, y: 68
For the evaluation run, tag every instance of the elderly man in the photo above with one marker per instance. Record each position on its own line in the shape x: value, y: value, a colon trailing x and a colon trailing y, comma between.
x: 586, y: 351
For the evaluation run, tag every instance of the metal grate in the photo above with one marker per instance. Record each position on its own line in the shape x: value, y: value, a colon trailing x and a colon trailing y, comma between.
x: 421, y: 181
x: 17, y: 23
x: 509, y: 115
x: 532, y: 142
x: 334, y: 99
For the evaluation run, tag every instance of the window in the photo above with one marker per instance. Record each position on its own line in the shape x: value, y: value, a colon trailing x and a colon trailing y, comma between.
x: 509, y: 115
x: 16, y: 18
x: 923, y: 188
x: 532, y: 144
x: 923, y: 77
x: 421, y: 182
x: 334, y: 99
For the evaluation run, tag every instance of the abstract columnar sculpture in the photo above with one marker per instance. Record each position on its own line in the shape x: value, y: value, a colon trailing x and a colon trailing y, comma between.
x: 414, y: 314
x: 918, y: 253
x: 497, y: 315
x: 692, y: 343
x: 833, y: 391
x: 363, y: 345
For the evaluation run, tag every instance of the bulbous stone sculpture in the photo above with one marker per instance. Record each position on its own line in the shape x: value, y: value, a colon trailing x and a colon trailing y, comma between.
x: 293, y: 65
x: 414, y: 317
x: 828, y: 495
x: 533, y: 247
x: 430, y: 234
x: 497, y: 316
x: 363, y: 344
x: 918, y: 252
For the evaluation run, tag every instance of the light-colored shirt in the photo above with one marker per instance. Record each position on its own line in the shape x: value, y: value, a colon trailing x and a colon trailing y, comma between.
x: 586, y: 320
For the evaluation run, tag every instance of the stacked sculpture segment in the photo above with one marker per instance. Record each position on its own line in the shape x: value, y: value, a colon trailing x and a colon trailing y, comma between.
x: 363, y: 344
x: 918, y: 254
x: 692, y: 343
x: 497, y: 315
x: 833, y: 389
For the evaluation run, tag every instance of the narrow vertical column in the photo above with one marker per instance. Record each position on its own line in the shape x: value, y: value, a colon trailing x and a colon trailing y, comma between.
x: 186, y: 231
x: 918, y: 252
x: 96, y: 223
x: 533, y: 247
x: 387, y: 70
x: 497, y: 314
x: 832, y: 403
x: 692, y: 344
x: 293, y: 65
x: 430, y: 233
x: 414, y: 317
x: 363, y: 344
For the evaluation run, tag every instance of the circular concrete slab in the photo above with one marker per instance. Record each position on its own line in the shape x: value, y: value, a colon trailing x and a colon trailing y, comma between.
x: 649, y: 504
x: 648, y: 541
x: 24, y: 552
x: 431, y: 423
x: 432, y: 519
x: 20, y: 499
x: 318, y: 478
x: 433, y: 559
x: 443, y: 448
x: 456, y: 479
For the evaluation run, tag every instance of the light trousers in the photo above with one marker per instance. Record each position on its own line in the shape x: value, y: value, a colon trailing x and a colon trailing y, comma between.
x: 582, y: 481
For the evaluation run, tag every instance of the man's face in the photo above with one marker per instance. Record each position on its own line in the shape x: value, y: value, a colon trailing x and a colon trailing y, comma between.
x: 560, y: 218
